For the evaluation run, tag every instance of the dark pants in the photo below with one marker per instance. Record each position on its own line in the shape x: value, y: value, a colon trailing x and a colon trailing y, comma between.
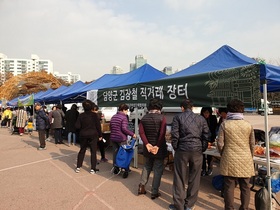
x: 207, y: 160
x: 42, y: 134
x: 157, y: 165
x: 229, y: 186
x: 47, y: 133
x: 181, y: 198
x: 101, y: 146
x: 58, y: 135
x: 92, y: 144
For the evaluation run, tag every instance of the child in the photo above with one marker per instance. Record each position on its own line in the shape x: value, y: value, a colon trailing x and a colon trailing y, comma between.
x: 30, y: 126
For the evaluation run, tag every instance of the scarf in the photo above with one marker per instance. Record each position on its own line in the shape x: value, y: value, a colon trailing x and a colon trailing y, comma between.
x: 234, y: 116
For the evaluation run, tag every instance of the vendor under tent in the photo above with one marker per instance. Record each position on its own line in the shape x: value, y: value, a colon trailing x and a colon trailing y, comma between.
x: 234, y: 77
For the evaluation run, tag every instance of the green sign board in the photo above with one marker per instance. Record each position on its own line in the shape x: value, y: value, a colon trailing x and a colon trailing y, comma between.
x: 213, y: 89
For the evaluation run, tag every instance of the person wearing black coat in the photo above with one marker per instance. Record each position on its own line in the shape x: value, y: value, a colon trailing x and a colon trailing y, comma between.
x: 189, y: 134
x: 212, y: 123
x: 89, y: 128
x: 71, y: 117
x: 41, y: 123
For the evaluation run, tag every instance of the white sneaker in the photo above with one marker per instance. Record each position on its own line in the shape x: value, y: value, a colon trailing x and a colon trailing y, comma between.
x: 92, y: 171
x: 77, y: 170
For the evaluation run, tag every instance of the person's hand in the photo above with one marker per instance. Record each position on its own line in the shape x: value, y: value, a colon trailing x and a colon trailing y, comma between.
x: 154, y: 150
x: 149, y: 147
x: 100, y: 138
x: 134, y: 136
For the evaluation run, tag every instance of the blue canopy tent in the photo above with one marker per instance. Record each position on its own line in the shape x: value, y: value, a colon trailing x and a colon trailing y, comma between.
x: 226, y: 58
x: 223, y: 58
x: 79, y: 94
x: 144, y: 73
x: 37, y: 96
x: 14, y: 102
x: 223, y: 75
x: 58, y: 96
x: 48, y: 97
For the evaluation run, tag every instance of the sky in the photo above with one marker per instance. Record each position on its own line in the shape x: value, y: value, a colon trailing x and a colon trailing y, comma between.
x: 89, y: 37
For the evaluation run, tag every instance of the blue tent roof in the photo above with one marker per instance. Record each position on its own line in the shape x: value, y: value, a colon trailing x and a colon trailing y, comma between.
x: 271, y: 74
x: 54, y: 93
x: 226, y: 58
x: 37, y: 96
x: 144, y: 73
x: 59, y: 95
x: 101, y: 82
x: 14, y: 102
x: 223, y: 58
x: 79, y: 93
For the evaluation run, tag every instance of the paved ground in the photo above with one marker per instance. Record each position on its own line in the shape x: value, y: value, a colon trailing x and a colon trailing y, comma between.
x: 32, y: 179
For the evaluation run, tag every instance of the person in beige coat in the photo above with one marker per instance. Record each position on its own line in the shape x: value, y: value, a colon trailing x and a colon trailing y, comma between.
x: 236, y: 143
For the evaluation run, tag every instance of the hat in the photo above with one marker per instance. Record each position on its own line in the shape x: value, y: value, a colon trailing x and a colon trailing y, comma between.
x: 37, y: 104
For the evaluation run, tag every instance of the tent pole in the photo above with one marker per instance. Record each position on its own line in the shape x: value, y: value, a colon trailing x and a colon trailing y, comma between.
x: 267, y: 143
x: 137, y: 134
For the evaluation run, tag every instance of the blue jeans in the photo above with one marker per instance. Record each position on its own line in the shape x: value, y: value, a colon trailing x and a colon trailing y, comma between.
x: 69, y: 137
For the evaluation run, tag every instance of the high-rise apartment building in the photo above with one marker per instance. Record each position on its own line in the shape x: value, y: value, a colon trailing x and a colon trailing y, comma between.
x: 69, y: 77
x: 140, y: 60
x: 17, y: 66
x: 167, y: 70
x: 117, y: 70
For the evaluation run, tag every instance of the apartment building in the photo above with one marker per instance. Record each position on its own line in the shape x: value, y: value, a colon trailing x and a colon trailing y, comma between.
x: 17, y: 66
x: 69, y: 77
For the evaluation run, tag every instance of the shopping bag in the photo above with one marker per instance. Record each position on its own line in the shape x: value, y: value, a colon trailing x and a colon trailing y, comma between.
x: 262, y: 199
x: 124, y: 155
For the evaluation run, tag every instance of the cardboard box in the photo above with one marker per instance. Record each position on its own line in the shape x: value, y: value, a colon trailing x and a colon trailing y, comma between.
x: 105, y: 127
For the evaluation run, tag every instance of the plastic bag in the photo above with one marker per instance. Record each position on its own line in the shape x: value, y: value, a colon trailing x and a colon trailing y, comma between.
x: 262, y: 199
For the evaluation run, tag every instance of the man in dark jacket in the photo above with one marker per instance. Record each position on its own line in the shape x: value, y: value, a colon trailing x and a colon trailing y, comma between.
x: 189, y: 133
x: 71, y: 118
x: 41, y: 122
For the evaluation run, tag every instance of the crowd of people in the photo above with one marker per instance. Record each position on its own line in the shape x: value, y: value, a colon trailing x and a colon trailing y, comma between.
x: 190, y: 135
